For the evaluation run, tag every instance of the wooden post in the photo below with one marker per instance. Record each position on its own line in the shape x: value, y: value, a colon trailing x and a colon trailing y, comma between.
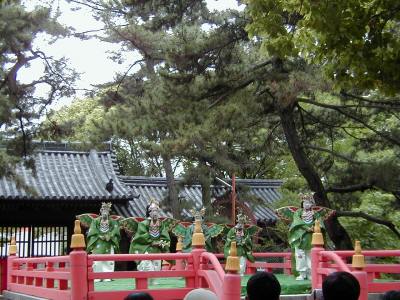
x: 358, y: 264
x: 79, y: 265
x: 12, y: 254
x: 317, y: 243
x: 231, y: 287
x: 198, y: 243
x: 179, y: 262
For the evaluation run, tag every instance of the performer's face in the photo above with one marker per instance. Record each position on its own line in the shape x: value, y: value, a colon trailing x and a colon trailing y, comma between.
x: 104, y: 214
x: 154, y: 213
x: 307, y: 204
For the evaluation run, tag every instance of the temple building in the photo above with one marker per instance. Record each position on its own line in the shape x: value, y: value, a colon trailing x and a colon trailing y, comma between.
x: 69, y: 182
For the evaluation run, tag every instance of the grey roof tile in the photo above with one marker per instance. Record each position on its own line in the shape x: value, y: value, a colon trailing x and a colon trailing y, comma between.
x: 156, y: 187
x: 68, y: 175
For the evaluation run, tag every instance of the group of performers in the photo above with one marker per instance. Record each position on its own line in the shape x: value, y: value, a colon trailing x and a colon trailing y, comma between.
x: 152, y: 234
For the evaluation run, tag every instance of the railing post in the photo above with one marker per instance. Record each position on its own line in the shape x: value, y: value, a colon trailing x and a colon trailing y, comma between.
x: 358, y: 264
x: 179, y: 262
x: 198, y: 243
x: 78, y: 258
x: 231, y: 287
x: 12, y: 254
x: 287, y: 260
x: 317, y: 243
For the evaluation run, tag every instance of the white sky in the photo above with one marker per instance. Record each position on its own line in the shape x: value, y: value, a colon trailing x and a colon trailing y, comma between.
x: 88, y: 57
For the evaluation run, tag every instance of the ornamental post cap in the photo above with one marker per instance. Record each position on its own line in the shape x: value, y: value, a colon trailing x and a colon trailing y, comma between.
x: 317, y: 237
x: 198, y: 238
x: 358, y: 261
x: 78, y: 240
x: 232, y: 261
x: 12, y: 250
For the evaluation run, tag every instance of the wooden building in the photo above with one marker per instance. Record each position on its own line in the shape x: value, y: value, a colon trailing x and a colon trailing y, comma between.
x: 70, y: 182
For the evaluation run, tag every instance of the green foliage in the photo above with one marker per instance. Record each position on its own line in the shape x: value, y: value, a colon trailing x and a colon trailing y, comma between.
x: 357, y: 42
x: 371, y: 235
x: 20, y: 106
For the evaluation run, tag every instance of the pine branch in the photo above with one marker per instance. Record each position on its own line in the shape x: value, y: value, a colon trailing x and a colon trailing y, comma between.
x: 350, y: 188
x: 340, y: 109
x: 360, y: 214
x: 335, y: 154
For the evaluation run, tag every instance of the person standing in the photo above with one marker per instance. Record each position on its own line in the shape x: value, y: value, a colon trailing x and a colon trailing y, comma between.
x: 301, y: 229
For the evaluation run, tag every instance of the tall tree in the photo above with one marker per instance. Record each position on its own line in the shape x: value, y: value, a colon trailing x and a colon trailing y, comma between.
x: 20, y: 105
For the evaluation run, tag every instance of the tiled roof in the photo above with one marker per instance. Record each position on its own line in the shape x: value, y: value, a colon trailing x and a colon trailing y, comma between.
x: 68, y: 175
x: 156, y: 187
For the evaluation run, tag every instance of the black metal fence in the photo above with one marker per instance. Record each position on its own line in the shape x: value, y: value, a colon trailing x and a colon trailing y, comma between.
x: 35, y: 241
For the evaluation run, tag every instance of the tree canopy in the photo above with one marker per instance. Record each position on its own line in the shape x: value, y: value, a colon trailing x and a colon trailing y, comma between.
x: 309, y: 97
x: 20, y: 105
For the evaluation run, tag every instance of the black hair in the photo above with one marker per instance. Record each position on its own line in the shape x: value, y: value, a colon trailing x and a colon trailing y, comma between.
x: 340, y: 285
x: 139, y: 296
x: 391, y: 295
x: 261, y: 282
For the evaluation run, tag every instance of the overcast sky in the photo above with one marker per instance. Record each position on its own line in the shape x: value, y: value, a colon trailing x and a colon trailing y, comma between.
x: 88, y: 57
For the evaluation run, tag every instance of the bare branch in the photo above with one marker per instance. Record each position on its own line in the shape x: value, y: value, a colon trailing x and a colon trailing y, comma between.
x: 360, y: 214
x: 340, y: 109
x: 335, y: 154
x: 350, y: 188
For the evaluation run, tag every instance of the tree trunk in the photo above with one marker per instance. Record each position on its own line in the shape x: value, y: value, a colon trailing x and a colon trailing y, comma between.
x: 336, y: 231
x: 205, y: 182
x: 173, y: 200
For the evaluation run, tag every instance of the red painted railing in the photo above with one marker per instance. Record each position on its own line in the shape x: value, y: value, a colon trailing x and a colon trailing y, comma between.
x: 251, y: 268
x: 72, y: 277
x: 46, y: 277
x: 332, y: 261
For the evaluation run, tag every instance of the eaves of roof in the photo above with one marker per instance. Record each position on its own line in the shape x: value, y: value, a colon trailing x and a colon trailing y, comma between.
x: 68, y: 175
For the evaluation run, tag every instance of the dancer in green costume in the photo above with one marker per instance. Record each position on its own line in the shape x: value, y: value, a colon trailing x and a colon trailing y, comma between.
x: 149, y: 236
x: 103, y: 236
x: 301, y: 229
x: 185, y: 230
x: 241, y: 234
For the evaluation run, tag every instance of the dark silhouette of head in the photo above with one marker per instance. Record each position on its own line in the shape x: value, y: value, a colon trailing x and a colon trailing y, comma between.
x: 263, y: 286
x: 391, y: 295
x: 110, y: 186
x: 340, y: 285
x: 139, y: 296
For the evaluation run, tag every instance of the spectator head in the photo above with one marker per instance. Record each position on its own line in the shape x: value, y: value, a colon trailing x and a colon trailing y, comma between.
x: 391, y: 295
x: 261, y: 282
x: 340, y: 285
x: 200, y: 294
x: 139, y: 296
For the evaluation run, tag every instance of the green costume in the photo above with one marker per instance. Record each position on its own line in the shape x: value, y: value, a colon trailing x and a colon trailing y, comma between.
x: 185, y: 230
x: 99, y: 242
x: 244, y: 244
x: 151, y: 241
x: 103, y: 236
x: 301, y: 230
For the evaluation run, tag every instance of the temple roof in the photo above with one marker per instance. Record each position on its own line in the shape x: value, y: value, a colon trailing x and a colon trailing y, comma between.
x: 63, y: 174
x: 156, y: 187
x: 68, y: 175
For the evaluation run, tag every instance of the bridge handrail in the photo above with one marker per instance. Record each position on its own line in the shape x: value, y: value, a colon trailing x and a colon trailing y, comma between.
x: 342, y: 266
x: 215, y: 264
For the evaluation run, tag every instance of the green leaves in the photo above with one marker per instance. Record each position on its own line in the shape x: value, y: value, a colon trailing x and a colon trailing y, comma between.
x: 353, y: 40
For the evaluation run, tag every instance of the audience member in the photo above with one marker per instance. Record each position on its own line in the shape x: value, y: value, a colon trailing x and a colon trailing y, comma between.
x: 391, y: 295
x: 263, y: 286
x: 139, y: 296
x: 340, y: 285
x: 200, y: 294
